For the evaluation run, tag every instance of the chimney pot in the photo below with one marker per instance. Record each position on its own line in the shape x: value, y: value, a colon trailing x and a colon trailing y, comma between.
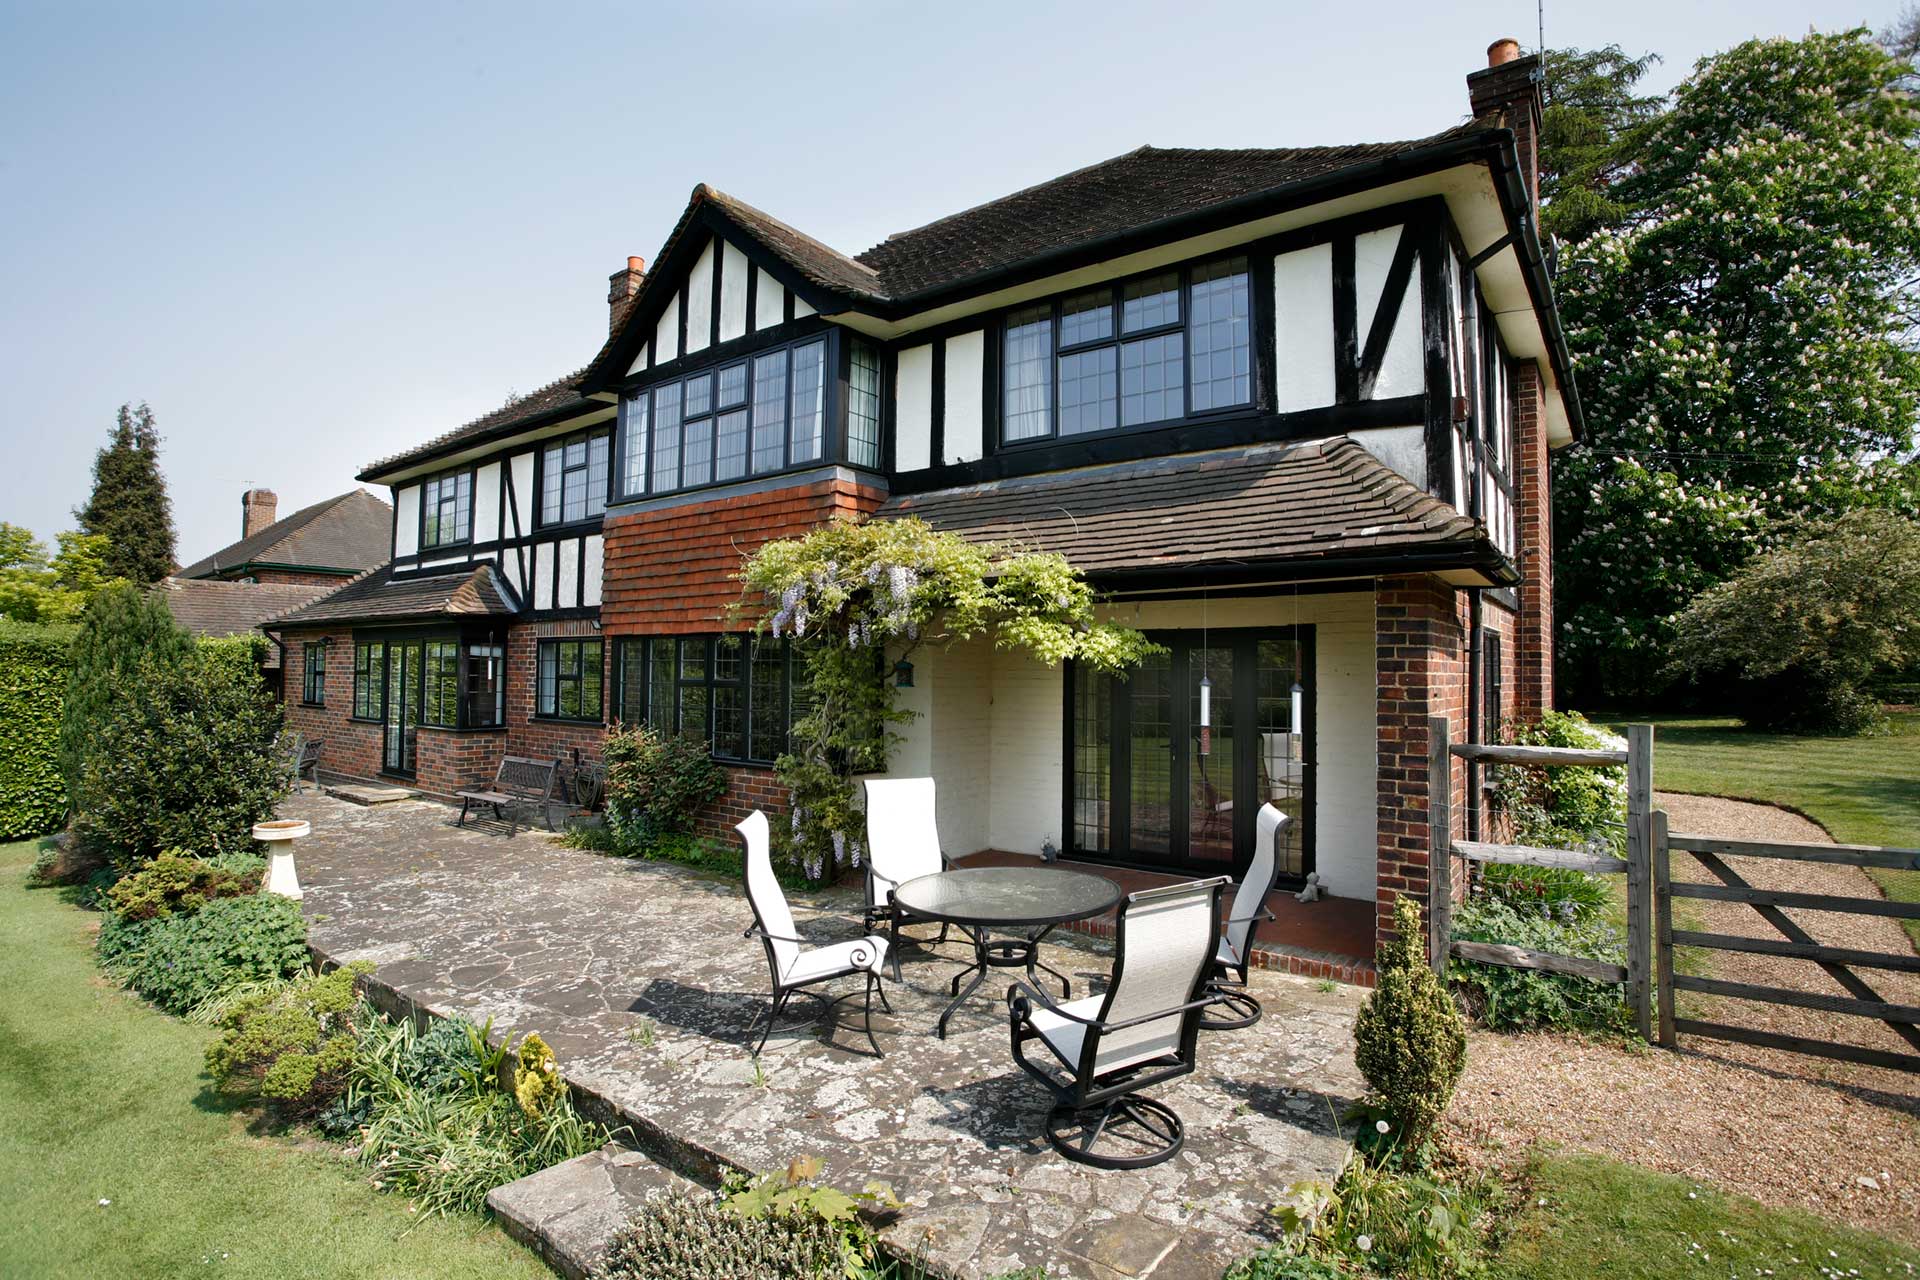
x: 635, y: 263
x: 1505, y: 49
x: 257, y: 510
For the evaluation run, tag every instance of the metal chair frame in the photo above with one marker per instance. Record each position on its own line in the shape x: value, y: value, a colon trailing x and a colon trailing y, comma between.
x: 1241, y: 1008
x: 1093, y: 1100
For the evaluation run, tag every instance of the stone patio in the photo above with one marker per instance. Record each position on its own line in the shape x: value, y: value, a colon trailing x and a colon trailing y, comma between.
x: 638, y: 976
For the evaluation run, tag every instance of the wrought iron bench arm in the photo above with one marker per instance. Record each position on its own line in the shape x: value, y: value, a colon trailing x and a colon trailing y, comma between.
x: 1020, y: 995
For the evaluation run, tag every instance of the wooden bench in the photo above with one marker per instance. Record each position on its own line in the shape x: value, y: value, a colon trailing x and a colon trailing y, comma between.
x: 303, y: 758
x: 518, y: 781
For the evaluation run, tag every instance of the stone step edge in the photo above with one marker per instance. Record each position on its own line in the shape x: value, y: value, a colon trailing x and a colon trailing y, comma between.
x: 568, y: 1213
x: 701, y: 1168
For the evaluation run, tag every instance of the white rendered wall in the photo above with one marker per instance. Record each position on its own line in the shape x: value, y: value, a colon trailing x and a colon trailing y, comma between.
x: 769, y: 300
x: 913, y: 412
x: 406, y: 520
x: 486, y: 503
x: 735, y: 276
x: 700, y: 302
x: 961, y: 425
x: 1303, y: 328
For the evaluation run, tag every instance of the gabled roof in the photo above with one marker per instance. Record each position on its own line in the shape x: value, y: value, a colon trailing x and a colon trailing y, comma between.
x: 350, y: 533
x: 214, y: 607
x: 1306, y: 506
x: 555, y: 400
x: 380, y: 597
x: 1142, y: 187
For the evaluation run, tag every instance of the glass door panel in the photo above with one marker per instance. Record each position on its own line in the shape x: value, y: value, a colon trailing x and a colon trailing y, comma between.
x: 1150, y: 742
x: 1092, y: 759
x: 1282, y: 762
x: 1211, y: 759
x: 404, y: 662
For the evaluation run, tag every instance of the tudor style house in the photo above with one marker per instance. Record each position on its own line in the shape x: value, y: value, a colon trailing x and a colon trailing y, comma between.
x: 1289, y: 410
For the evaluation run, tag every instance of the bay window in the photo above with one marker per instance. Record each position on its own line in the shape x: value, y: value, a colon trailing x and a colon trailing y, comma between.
x: 735, y: 693
x: 1150, y: 350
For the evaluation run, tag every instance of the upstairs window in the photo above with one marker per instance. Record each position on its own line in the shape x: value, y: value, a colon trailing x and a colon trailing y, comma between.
x: 573, y: 482
x: 748, y: 417
x: 446, y: 509
x: 863, y: 406
x: 1132, y: 354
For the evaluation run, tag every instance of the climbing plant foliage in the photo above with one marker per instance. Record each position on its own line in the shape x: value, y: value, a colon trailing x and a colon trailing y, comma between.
x: 858, y: 596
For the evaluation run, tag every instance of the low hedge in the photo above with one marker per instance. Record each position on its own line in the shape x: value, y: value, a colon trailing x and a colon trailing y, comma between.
x: 34, y: 661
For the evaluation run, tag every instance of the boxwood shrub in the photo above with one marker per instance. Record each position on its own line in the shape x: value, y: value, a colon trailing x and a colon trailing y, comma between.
x: 34, y: 662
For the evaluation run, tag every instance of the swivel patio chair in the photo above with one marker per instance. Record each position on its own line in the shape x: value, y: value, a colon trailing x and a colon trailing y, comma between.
x: 1238, y: 1007
x: 1140, y: 1032
x: 796, y: 965
x: 903, y: 843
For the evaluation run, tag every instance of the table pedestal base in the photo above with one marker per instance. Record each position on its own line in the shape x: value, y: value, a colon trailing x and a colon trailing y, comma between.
x: 1022, y: 952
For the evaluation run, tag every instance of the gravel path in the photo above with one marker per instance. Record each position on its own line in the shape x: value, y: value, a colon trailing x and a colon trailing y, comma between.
x: 1784, y: 1128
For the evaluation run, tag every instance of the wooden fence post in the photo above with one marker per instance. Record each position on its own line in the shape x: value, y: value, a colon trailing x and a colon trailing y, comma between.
x: 1663, y: 926
x: 1439, y: 843
x: 1640, y: 875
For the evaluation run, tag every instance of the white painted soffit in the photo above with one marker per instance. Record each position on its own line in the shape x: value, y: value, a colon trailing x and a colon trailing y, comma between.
x: 433, y: 466
x: 1468, y: 190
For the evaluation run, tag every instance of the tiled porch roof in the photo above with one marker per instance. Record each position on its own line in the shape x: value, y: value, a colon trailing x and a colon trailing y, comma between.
x: 214, y: 607
x: 1326, y: 504
x: 379, y: 597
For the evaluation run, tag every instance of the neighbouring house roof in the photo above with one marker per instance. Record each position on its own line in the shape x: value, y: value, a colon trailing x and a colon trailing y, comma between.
x: 380, y: 597
x: 1317, y: 504
x: 555, y: 400
x: 350, y: 533
x: 214, y: 607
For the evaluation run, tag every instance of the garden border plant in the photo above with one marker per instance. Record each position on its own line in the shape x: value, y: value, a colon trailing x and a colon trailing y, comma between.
x: 859, y: 596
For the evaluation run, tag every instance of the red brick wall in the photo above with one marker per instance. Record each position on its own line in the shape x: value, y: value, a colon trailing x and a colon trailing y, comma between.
x: 747, y: 789
x: 671, y: 571
x: 1533, y: 686
x: 1420, y: 665
x: 446, y: 760
x: 347, y: 748
x: 551, y: 739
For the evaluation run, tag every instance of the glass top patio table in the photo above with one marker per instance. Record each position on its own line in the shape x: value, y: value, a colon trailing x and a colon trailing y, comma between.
x: 1008, y: 896
x: 1027, y: 902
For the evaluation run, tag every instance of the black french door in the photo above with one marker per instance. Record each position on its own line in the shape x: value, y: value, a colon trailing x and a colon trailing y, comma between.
x: 405, y: 662
x: 1168, y: 766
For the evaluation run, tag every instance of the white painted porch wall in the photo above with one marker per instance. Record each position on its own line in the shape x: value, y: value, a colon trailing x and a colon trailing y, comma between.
x: 406, y: 520
x: 990, y: 732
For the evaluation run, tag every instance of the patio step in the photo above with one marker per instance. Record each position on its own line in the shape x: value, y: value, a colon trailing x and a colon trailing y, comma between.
x: 356, y: 793
x: 568, y: 1213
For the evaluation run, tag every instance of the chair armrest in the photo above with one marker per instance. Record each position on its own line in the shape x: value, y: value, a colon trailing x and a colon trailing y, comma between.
x: 1261, y: 914
x: 1020, y: 998
x: 755, y: 931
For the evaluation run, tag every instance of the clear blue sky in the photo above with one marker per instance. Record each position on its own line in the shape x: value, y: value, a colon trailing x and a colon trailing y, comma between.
x: 313, y: 235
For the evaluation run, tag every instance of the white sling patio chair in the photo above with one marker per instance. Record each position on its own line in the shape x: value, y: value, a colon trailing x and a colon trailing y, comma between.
x: 903, y: 843
x: 797, y: 965
x: 1237, y: 1006
x: 1140, y: 1032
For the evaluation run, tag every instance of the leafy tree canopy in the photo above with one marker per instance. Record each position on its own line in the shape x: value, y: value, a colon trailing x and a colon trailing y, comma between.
x: 1590, y: 132
x: 1743, y: 340
x: 1805, y: 627
x: 129, y: 505
x: 37, y: 588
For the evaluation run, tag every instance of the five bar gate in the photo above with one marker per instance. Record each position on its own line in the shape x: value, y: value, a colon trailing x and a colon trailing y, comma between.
x: 1648, y: 975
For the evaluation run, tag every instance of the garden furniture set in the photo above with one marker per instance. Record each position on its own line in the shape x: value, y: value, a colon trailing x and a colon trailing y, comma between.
x: 1177, y: 969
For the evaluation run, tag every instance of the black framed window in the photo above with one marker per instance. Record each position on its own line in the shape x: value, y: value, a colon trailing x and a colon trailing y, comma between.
x: 1495, y: 683
x: 863, y: 406
x: 486, y: 686
x: 573, y: 483
x: 440, y: 685
x: 446, y: 509
x: 752, y: 416
x: 1135, y: 353
x: 736, y: 693
x: 369, y: 680
x: 569, y: 680
x: 313, y: 680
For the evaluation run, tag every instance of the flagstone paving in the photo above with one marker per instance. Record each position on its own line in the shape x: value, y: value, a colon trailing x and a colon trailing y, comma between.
x: 638, y: 976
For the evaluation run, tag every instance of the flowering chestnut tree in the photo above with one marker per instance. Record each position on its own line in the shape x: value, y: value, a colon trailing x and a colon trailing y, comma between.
x: 1743, y: 340
x: 856, y: 597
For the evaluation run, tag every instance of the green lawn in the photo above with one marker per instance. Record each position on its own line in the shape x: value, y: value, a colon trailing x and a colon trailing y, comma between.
x: 1607, y: 1221
x: 1863, y: 790
x: 102, y: 1100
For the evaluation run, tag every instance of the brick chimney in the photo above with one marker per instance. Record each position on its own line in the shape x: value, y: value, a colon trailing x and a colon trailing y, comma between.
x: 257, y: 508
x: 622, y: 288
x: 1510, y: 87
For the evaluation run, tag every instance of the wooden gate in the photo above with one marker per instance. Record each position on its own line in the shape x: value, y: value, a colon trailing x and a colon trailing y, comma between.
x: 1648, y: 975
x: 1838, y: 963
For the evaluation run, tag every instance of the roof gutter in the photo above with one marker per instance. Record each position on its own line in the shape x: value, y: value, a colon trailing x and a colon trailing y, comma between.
x: 1512, y: 190
x: 1481, y: 558
x: 376, y: 472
